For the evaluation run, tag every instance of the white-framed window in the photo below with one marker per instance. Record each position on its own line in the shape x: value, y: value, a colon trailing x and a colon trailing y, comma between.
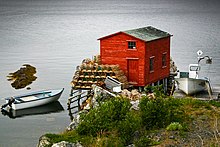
x: 131, y: 45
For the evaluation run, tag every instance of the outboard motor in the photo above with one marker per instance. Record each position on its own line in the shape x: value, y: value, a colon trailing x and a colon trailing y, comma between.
x: 10, y: 101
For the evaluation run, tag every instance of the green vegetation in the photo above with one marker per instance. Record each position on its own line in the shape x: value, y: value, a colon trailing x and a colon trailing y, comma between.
x: 161, y: 112
x: 112, y: 116
x: 174, y: 127
x: 113, y: 123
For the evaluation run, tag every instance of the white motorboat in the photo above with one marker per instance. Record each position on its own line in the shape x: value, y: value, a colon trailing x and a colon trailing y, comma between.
x: 190, y: 82
x: 33, y: 99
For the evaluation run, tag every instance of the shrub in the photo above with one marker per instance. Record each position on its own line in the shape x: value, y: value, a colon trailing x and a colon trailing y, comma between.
x: 128, y: 126
x: 153, y: 112
x: 157, y: 90
x: 113, y: 115
x: 174, y: 126
x: 160, y: 112
x: 175, y: 110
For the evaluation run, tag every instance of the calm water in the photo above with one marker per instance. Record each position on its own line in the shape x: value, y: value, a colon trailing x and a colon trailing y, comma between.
x: 54, y: 36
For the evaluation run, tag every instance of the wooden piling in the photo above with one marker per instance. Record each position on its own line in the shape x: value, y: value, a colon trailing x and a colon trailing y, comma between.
x: 74, y: 101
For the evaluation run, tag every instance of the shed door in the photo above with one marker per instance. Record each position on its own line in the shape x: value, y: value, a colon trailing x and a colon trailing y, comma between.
x: 133, y: 71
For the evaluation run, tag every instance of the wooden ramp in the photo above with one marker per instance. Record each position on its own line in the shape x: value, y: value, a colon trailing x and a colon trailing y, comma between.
x: 77, y: 97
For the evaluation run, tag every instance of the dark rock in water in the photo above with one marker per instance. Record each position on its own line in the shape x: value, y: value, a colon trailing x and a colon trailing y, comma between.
x: 22, y: 77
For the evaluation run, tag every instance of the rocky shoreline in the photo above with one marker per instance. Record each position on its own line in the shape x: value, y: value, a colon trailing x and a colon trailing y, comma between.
x: 45, y: 141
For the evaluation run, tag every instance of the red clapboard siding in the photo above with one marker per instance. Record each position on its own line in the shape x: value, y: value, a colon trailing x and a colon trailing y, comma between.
x: 156, y: 49
x: 136, y: 62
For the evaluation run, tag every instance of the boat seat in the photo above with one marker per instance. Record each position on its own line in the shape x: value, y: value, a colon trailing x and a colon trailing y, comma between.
x: 18, y: 100
x: 29, y: 98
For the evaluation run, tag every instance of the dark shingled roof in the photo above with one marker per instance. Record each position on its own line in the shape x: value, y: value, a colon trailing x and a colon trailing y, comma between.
x: 147, y: 33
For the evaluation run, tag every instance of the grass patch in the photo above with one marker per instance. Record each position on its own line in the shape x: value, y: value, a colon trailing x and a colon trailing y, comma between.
x: 214, y: 103
x: 174, y: 126
x: 70, y: 136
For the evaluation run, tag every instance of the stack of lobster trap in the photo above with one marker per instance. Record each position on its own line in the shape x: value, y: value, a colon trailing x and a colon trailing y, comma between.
x: 92, y: 72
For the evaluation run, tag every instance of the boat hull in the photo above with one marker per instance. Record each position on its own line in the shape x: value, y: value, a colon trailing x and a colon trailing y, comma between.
x: 54, y: 96
x: 191, y: 86
x: 44, y: 109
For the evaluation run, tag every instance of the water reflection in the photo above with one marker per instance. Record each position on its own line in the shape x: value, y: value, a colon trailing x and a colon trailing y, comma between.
x: 45, y: 109
x: 22, y: 77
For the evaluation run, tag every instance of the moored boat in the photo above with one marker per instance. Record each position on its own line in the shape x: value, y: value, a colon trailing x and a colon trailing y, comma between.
x: 52, y: 107
x: 190, y: 82
x: 33, y: 99
x: 191, y: 85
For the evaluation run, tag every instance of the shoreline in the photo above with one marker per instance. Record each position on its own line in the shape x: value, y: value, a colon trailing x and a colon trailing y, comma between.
x: 46, y: 140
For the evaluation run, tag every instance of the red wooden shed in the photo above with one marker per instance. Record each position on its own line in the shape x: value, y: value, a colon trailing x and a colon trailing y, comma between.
x: 143, y: 54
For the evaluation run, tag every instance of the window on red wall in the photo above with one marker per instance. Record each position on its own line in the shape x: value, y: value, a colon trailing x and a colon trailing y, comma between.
x: 131, y: 45
x: 164, y: 57
x: 151, y: 64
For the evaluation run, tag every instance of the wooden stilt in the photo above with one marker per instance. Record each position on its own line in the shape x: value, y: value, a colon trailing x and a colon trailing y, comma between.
x: 209, y: 89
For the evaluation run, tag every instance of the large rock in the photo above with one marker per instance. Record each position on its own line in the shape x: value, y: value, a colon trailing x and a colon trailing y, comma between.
x: 75, y: 122
x: 133, y: 95
x: 135, y: 105
x: 44, y: 141
x: 66, y: 144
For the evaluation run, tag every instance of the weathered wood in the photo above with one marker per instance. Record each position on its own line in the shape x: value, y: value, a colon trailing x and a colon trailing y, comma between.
x: 208, y: 86
x: 72, y: 107
x: 77, y: 99
x: 72, y: 97
x: 72, y: 113
x: 73, y: 92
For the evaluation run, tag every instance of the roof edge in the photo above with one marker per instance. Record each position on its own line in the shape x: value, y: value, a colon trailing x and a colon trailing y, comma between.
x: 119, y: 33
x: 109, y: 35
x: 124, y: 32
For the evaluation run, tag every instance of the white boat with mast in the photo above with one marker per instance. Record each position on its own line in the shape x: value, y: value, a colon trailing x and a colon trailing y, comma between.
x: 190, y: 82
